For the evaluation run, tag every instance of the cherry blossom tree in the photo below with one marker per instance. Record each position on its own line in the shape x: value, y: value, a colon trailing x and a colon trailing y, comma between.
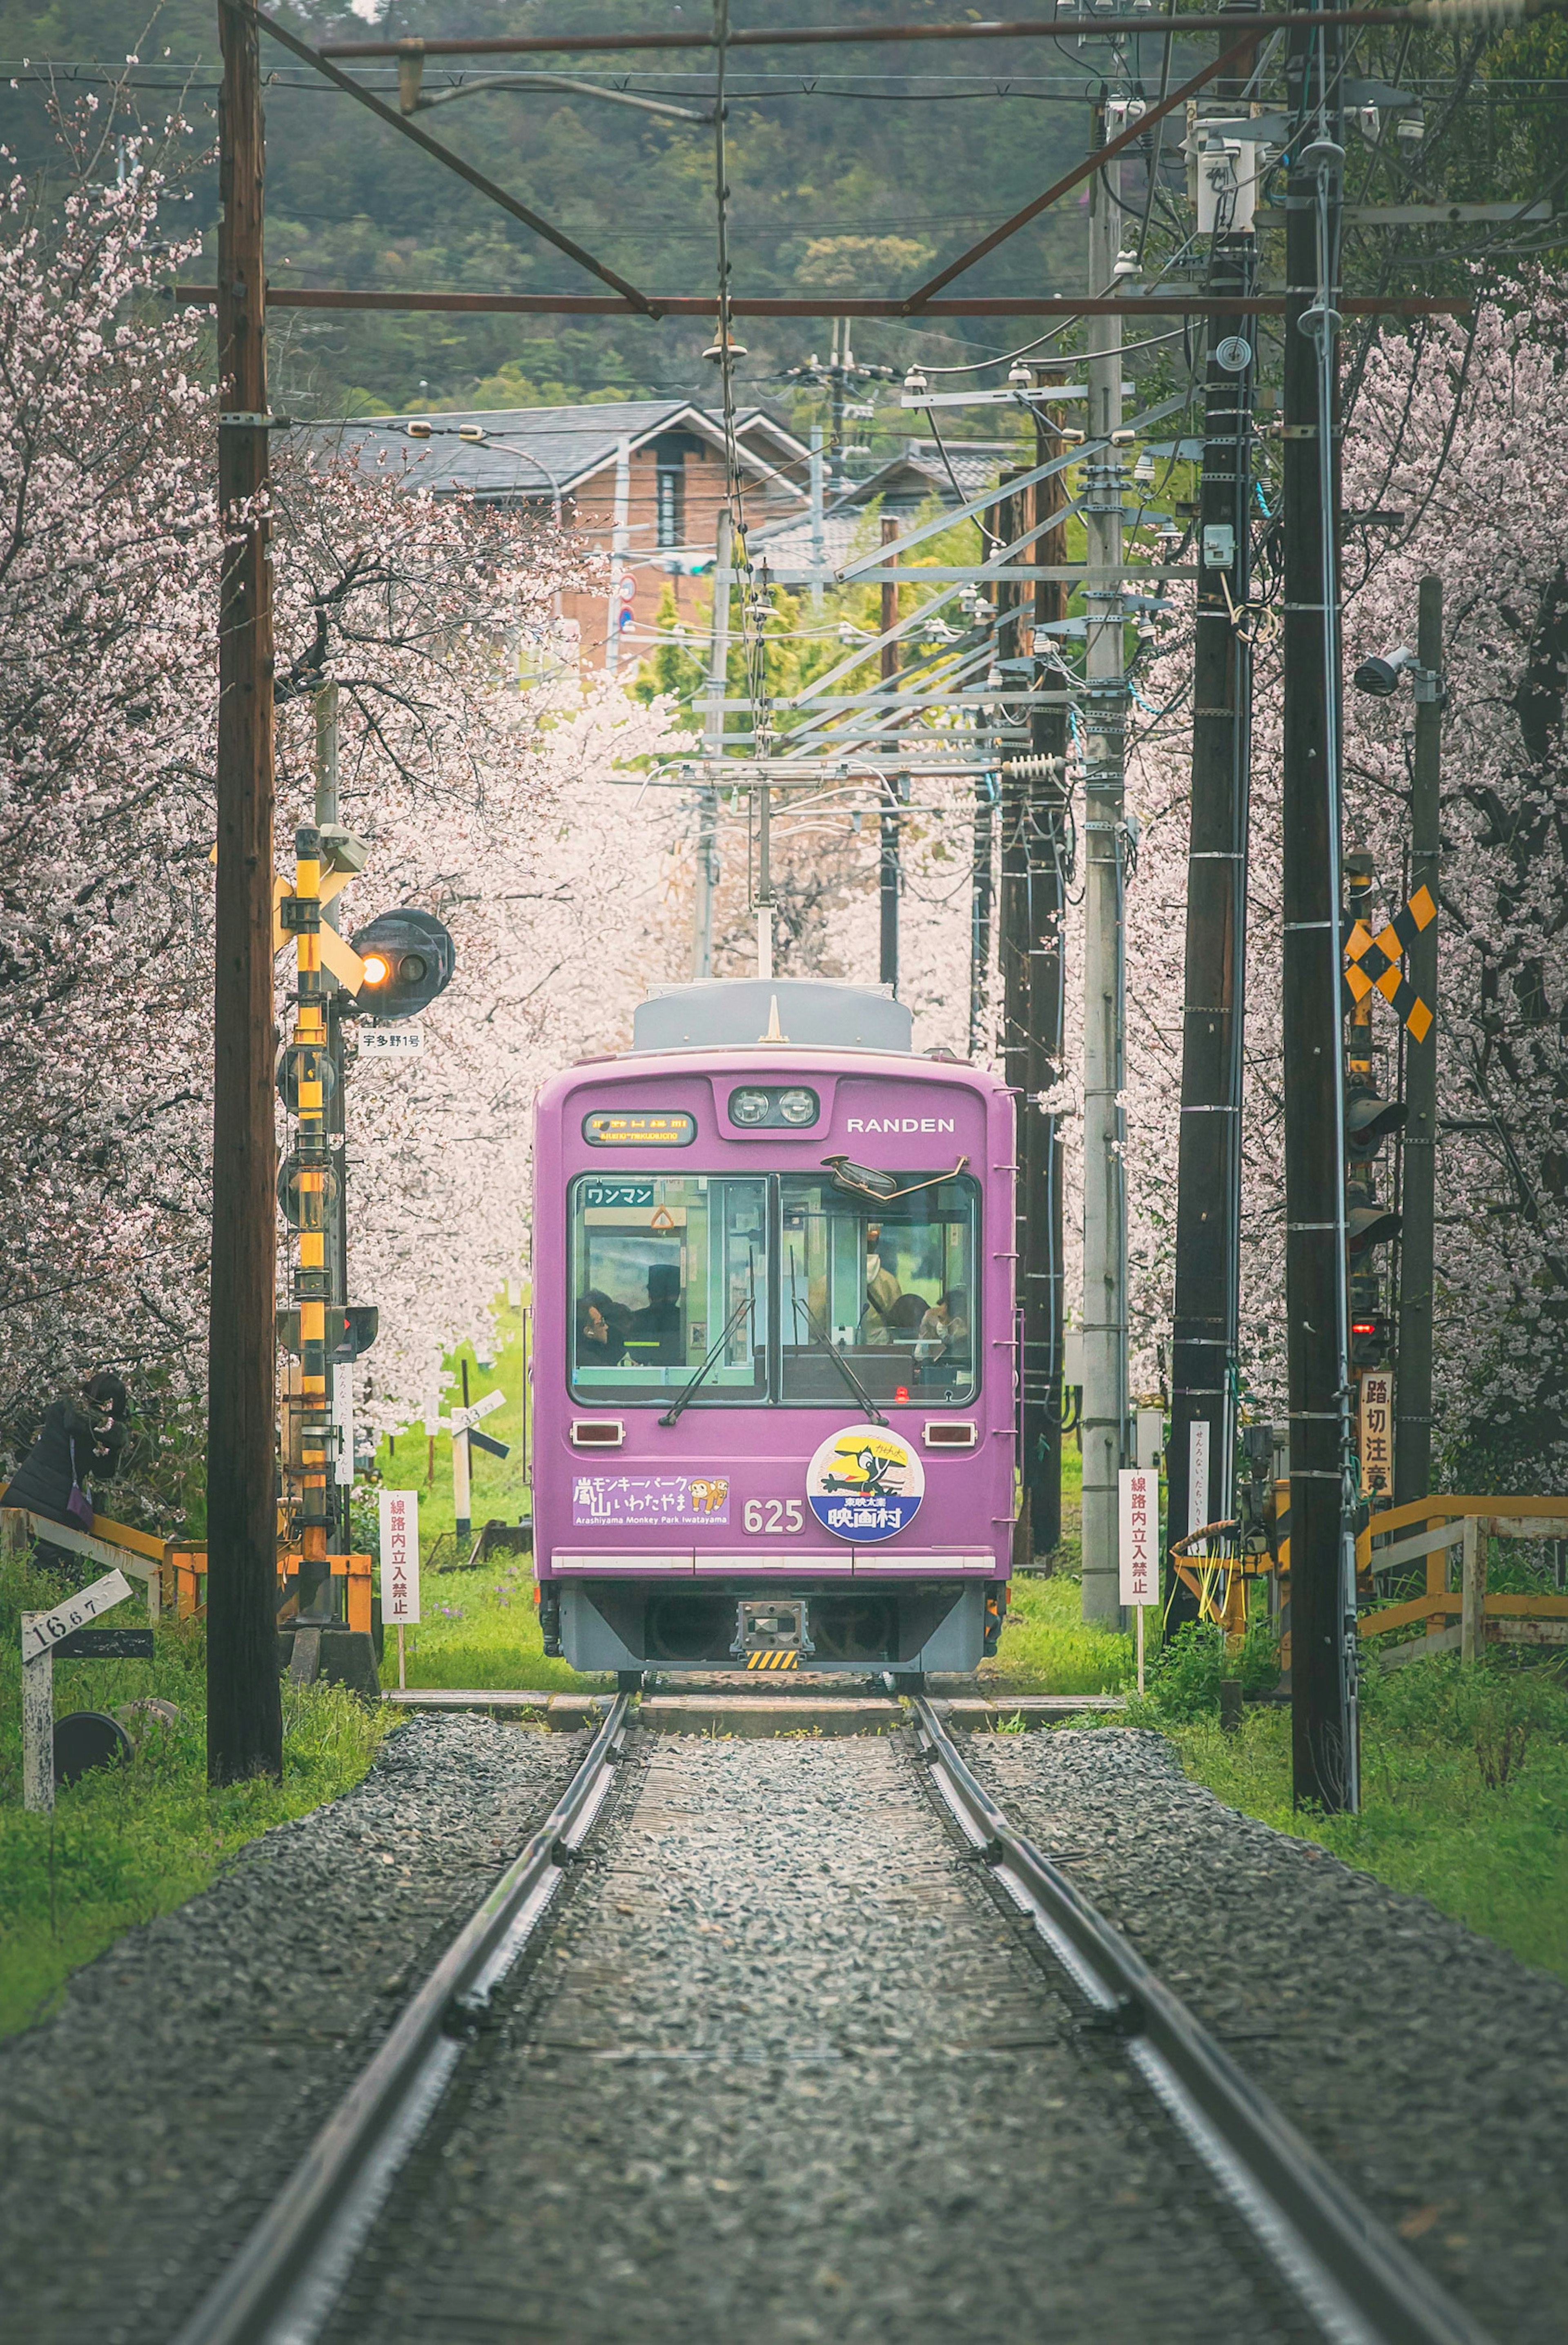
x: 1469, y: 440
x: 489, y: 803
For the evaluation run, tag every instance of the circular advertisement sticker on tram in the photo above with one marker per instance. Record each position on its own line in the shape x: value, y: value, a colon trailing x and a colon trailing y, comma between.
x: 865, y: 1483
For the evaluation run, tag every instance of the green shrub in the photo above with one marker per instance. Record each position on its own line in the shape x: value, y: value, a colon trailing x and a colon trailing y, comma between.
x: 1183, y: 1677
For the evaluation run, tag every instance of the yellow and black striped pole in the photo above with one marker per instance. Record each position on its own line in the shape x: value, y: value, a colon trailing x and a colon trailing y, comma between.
x: 312, y: 1275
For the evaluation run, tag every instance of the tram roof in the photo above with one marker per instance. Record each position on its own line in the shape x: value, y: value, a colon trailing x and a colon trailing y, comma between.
x: 807, y: 1012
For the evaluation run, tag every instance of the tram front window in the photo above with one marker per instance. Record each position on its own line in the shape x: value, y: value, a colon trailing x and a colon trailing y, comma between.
x: 664, y: 1269
x: 888, y: 1283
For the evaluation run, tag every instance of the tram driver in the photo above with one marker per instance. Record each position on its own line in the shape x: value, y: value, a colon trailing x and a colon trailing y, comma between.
x: 883, y: 1291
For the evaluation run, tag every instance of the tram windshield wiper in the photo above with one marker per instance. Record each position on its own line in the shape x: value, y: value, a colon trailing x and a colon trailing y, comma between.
x: 716, y: 1352
x: 819, y: 1343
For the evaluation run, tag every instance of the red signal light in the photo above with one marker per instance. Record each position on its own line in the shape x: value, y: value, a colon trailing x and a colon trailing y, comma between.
x: 1363, y: 1326
x: 901, y: 1391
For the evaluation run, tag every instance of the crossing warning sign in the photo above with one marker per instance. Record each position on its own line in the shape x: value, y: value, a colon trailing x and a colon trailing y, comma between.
x: 1374, y: 962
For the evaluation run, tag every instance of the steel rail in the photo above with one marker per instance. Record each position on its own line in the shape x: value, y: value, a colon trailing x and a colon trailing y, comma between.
x: 1358, y: 2283
x: 292, y: 2266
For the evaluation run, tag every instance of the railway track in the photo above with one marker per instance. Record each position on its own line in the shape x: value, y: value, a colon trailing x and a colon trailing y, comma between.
x: 745, y: 1895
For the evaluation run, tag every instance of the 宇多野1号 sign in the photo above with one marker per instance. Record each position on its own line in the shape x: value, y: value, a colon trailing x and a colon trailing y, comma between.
x: 617, y: 1501
x: 865, y: 1483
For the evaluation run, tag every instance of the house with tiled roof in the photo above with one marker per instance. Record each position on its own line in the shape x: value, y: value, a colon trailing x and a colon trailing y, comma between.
x: 643, y: 479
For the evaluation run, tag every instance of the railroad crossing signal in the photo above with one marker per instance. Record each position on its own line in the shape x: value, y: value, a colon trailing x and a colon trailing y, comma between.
x: 1374, y: 962
x: 407, y: 957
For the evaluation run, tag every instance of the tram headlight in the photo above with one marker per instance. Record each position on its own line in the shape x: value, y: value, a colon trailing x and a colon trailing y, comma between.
x: 797, y: 1107
x: 748, y: 1107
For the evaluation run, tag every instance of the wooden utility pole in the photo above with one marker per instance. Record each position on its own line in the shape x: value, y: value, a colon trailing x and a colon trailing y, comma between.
x: 888, y: 866
x: 1024, y: 792
x: 1323, y: 1708
x: 1209, y: 1173
x: 244, y: 1722
x: 1418, y: 1193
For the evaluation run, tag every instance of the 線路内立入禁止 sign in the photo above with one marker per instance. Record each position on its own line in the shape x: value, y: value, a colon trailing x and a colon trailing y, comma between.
x: 1140, y: 1507
x: 400, y: 1558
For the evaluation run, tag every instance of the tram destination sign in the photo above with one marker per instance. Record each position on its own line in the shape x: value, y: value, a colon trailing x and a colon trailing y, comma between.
x: 639, y: 1128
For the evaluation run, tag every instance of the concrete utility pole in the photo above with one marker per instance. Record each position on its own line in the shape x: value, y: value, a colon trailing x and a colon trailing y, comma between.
x: 1417, y: 1196
x: 1017, y: 940
x: 818, y: 560
x: 713, y: 747
x: 838, y: 367
x: 244, y: 1719
x: 1040, y: 1171
x: 888, y: 874
x: 1322, y: 1556
x: 1200, y: 1458
x: 1105, y: 721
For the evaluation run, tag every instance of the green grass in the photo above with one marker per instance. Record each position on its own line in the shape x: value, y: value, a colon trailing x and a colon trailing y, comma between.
x: 132, y: 1842
x: 1494, y: 1858
x: 499, y: 1485
x: 1047, y: 1648
x: 481, y: 1628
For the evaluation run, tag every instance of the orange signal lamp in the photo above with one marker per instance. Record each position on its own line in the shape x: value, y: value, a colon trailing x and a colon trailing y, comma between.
x: 377, y: 971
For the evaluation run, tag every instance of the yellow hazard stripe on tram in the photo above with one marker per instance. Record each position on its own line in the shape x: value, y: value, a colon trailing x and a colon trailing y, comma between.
x: 785, y: 1660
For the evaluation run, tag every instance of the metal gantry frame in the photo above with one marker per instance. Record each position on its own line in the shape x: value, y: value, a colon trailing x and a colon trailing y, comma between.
x: 910, y: 708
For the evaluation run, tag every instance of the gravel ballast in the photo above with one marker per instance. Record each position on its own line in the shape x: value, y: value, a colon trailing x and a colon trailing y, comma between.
x: 143, y: 2129
x: 785, y: 2069
x: 1426, y: 2064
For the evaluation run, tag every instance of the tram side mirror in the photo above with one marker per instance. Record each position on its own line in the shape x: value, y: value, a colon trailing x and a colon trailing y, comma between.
x: 861, y: 1180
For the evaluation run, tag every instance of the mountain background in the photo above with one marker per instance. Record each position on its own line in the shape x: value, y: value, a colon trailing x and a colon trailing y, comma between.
x: 850, y: 168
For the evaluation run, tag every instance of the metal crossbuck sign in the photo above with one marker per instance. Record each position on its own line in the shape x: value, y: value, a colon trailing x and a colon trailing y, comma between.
x: 1374, y: 962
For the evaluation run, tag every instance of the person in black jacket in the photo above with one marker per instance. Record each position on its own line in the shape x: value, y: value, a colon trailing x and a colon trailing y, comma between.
x: 79, y: 1442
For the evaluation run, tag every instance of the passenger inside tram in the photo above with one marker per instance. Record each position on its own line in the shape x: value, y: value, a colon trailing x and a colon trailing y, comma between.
x: 943, y: 1330
x: 601, y: 1330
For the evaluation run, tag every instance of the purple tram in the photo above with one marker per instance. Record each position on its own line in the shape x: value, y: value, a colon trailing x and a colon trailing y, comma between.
x: 774, y: 1360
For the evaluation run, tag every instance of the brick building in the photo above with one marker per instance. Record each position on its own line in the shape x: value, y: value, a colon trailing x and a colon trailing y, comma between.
x: 644, y: 478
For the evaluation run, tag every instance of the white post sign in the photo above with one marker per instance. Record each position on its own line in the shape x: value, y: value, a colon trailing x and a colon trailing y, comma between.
x: 400, y: 1566
x: 1140, y: 1541
x: 462, y: 1420
x: 343, y: 1420
x: 1197, y: 1512
x: 400, y: 1557
x: 41, y: 1632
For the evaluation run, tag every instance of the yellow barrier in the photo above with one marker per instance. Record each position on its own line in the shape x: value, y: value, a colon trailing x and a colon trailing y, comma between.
x: 1446, y: 1521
